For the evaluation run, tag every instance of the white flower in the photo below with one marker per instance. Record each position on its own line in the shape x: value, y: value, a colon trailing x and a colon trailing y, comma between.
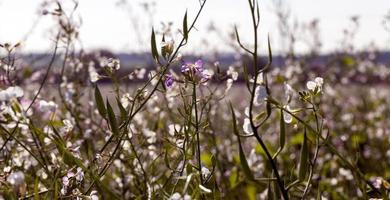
x: 93, y: 75
x: 141, y: 73
x: 16, y: 178
x: 65, y: 180
x: 93, y: 195
x: 150, y: 135
x: 247, y: 126
x: 8, y: 68
x: 233, y: 73
x: 260, y: 95
x: 175, y: 196
x: 111, y: 63
x: 80, y: 174
x: 205, y: 172
x: 187, y: 197
x: 45, y: 106
x: 11, y: 92
x: 125, y: 100
x: 311, y: 85
x: 7, y: 169
x: 317, y: 83
x: 172, y: 128
x: 68, y: 126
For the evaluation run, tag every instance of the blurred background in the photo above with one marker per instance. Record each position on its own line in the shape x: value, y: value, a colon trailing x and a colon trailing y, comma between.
x: 124, y: 26
x: 343, y: 41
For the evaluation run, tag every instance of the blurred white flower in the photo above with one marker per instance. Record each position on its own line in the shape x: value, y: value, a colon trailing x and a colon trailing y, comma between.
x: 11, y: 92
x: 176, y: 196
x: 317, y: 83
x: 150, y: 135
x: 79, y: 174
x: 16, y: 178
x: 8, y: 68
x: 311, y: 85
x: 7, y: 169
x: 111, y: 63
x: 205, y: 172
x: 247, y: 126
x: 125, y: 100
x: 93, y: 195
x: 68, y: 126
x: 141, y: 73
x: 260, y: 95
x: 93, y: 75
x: 45, y: 106
x: 287, y: 116
x: 232, y: 73
x: 172, y: 128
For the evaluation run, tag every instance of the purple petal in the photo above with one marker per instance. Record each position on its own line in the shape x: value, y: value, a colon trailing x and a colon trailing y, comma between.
x: 199, y: 65
x: 168, y: 81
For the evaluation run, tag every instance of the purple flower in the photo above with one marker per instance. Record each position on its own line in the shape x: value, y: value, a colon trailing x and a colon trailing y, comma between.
x: 195, y: 71
x: 168, y: 80
x: 195, y: 67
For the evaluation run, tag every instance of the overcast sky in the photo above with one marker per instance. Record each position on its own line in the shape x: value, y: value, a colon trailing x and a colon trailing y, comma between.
x: 106, y: 25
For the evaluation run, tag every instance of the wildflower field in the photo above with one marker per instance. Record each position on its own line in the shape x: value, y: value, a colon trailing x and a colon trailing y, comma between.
x: 82, y: 126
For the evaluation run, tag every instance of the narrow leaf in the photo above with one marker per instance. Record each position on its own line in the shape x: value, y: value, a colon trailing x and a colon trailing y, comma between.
x: 185, y: 27
x: 100, y: 103
x: 154, y: 46
x: 269, y: 52
x: 122, y: 110
x: 112, y: 119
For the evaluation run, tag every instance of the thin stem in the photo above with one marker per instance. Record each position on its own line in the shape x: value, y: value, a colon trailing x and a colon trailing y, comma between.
x: 197, y: 131
x: 253, y: 126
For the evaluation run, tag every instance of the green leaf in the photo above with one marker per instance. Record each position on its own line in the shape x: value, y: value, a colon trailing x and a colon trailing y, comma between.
x: 243, y: 161
x: 269, y: 52
x: 100, y: 103
x: 206, y: 159
x: 112, y: 119
x: 251, y: 192
x: 122, y: 110
x: 185, y: 27
x: 303, y: 163
x: 154, y: 46
x: 233, y: 179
